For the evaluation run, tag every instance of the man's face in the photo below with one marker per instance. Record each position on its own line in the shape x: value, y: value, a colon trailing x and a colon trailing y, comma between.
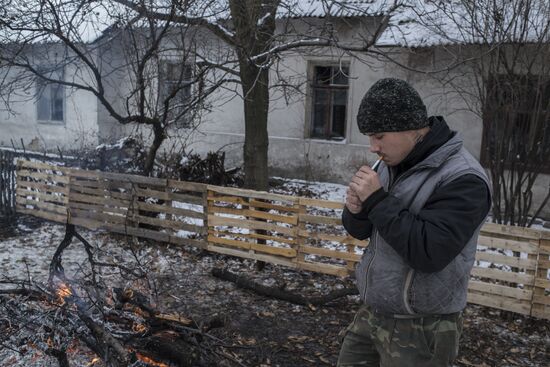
x: 393, y: 147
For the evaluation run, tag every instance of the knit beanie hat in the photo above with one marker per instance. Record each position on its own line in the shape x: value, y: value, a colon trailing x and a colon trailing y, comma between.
x: 391, y: 105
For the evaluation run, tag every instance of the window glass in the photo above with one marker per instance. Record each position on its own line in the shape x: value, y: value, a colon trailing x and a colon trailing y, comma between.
x: 50, y: 103
x: 321, y: 101
x: 175, y: 82
x: 329, y: 93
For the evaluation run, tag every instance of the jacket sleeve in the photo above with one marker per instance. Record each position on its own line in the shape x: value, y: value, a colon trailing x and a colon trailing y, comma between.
x: 430, y: 240
x: 357, y: 225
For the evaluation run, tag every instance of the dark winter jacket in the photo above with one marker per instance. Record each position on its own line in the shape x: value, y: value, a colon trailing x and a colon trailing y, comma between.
x: 423, y: 226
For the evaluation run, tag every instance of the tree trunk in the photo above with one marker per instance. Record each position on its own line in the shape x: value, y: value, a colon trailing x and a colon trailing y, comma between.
x: 254, y: 23
x: 159, y: 136
x: 256, y: 142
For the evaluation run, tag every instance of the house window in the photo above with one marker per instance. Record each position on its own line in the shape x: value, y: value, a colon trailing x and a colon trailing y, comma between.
x: 329, y: 90
x: 175, y: 82
x: 50, y: 105
x: 516, y: 122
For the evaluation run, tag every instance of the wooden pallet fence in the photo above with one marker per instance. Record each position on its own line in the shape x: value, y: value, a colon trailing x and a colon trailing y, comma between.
x: 153, y: 208
x: 157, y: 209
x: 280, y: 229
x: 323, y: 239
x: 253, y: 225
x: 42, y: 190
x: 506, y: 270
x: 512, y: 263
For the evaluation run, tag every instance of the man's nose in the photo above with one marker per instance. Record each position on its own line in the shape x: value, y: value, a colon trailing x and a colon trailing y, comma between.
x: 374, y: 148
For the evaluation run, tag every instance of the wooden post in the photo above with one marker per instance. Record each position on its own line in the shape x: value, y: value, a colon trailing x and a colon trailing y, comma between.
x: 133, y: 209
x: 530, y: 287
x: 350, y: 265
x: 209, y: 211
x: 205, y: 210
x: 18, y: 182
x: 301, y: 238
x: 540, y: 304
x: 168, y: 205
x: 69, y: 187
x: 4, y: 182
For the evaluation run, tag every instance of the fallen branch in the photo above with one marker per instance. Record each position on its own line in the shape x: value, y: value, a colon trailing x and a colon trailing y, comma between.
x: 278, y: 293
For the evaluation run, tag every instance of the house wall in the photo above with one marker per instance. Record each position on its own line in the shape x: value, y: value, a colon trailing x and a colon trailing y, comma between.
x: 118, y: 64
x: 79, y: 128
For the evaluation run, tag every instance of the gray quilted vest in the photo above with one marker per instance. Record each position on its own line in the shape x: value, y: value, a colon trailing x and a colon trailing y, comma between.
x: 385, y: 281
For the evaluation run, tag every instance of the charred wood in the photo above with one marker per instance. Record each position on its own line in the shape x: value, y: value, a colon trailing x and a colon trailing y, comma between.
x: 278, y: 293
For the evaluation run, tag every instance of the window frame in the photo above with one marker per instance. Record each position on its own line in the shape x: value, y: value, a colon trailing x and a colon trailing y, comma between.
x: 41, y: 85
x: 329, y: 135
x: 185, y: 120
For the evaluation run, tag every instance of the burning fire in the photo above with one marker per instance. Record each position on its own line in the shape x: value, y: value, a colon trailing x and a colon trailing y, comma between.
x: 139, y: 328
x: 150, y: 361
x: 63, y: 292
x: 93, y: 361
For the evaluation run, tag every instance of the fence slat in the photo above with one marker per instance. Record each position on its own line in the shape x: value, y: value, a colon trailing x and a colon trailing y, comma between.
x: 502, y: 303
x: 330, y: 253
x: 505, y: 276
x: 256, y: 214
x: 280, y: 239
x: 214, y: 220
x: 529, y: 246
x: 500, y: 290
x: 252, y: 194
x: 319, y: 219
x: 507, y: 260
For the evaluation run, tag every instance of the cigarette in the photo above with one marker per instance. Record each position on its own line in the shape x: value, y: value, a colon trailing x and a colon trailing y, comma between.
x: 376, y: 164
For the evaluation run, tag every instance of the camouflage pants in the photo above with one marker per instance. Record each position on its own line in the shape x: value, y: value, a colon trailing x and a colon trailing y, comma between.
x: 377, y: 340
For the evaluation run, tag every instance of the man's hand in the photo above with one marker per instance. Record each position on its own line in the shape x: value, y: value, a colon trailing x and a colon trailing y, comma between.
x: 365, y: 183
x: 353, y: 203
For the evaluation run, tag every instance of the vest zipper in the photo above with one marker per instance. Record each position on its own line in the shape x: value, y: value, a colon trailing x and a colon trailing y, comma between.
x: 408, y: 282
x: 368, y: 266
x: 408, y: 279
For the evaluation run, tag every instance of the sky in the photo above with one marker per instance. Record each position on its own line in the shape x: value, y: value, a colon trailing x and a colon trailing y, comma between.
x: 416, y: 23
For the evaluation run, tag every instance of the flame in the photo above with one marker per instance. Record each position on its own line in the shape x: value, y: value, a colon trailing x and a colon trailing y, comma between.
x: 128, y: 294
x: 93, y: 361
x: 63, y: 292
x: 150, y: 361
x: 139, y: 328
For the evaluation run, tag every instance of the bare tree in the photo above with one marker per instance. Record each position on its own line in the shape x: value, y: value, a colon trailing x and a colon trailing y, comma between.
x: 259, y: 32
x: 504, y: 77
x: 142, y: 70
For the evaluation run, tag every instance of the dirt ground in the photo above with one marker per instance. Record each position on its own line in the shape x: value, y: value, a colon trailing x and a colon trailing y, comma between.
x: 259, y: 331
x: 281, y: 334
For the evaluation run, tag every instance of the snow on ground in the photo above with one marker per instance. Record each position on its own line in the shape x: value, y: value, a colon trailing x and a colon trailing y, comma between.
x: 26, y: 255
x: 320, y: 190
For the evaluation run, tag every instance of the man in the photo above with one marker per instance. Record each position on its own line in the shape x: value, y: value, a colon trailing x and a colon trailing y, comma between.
x: 422, y: 209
